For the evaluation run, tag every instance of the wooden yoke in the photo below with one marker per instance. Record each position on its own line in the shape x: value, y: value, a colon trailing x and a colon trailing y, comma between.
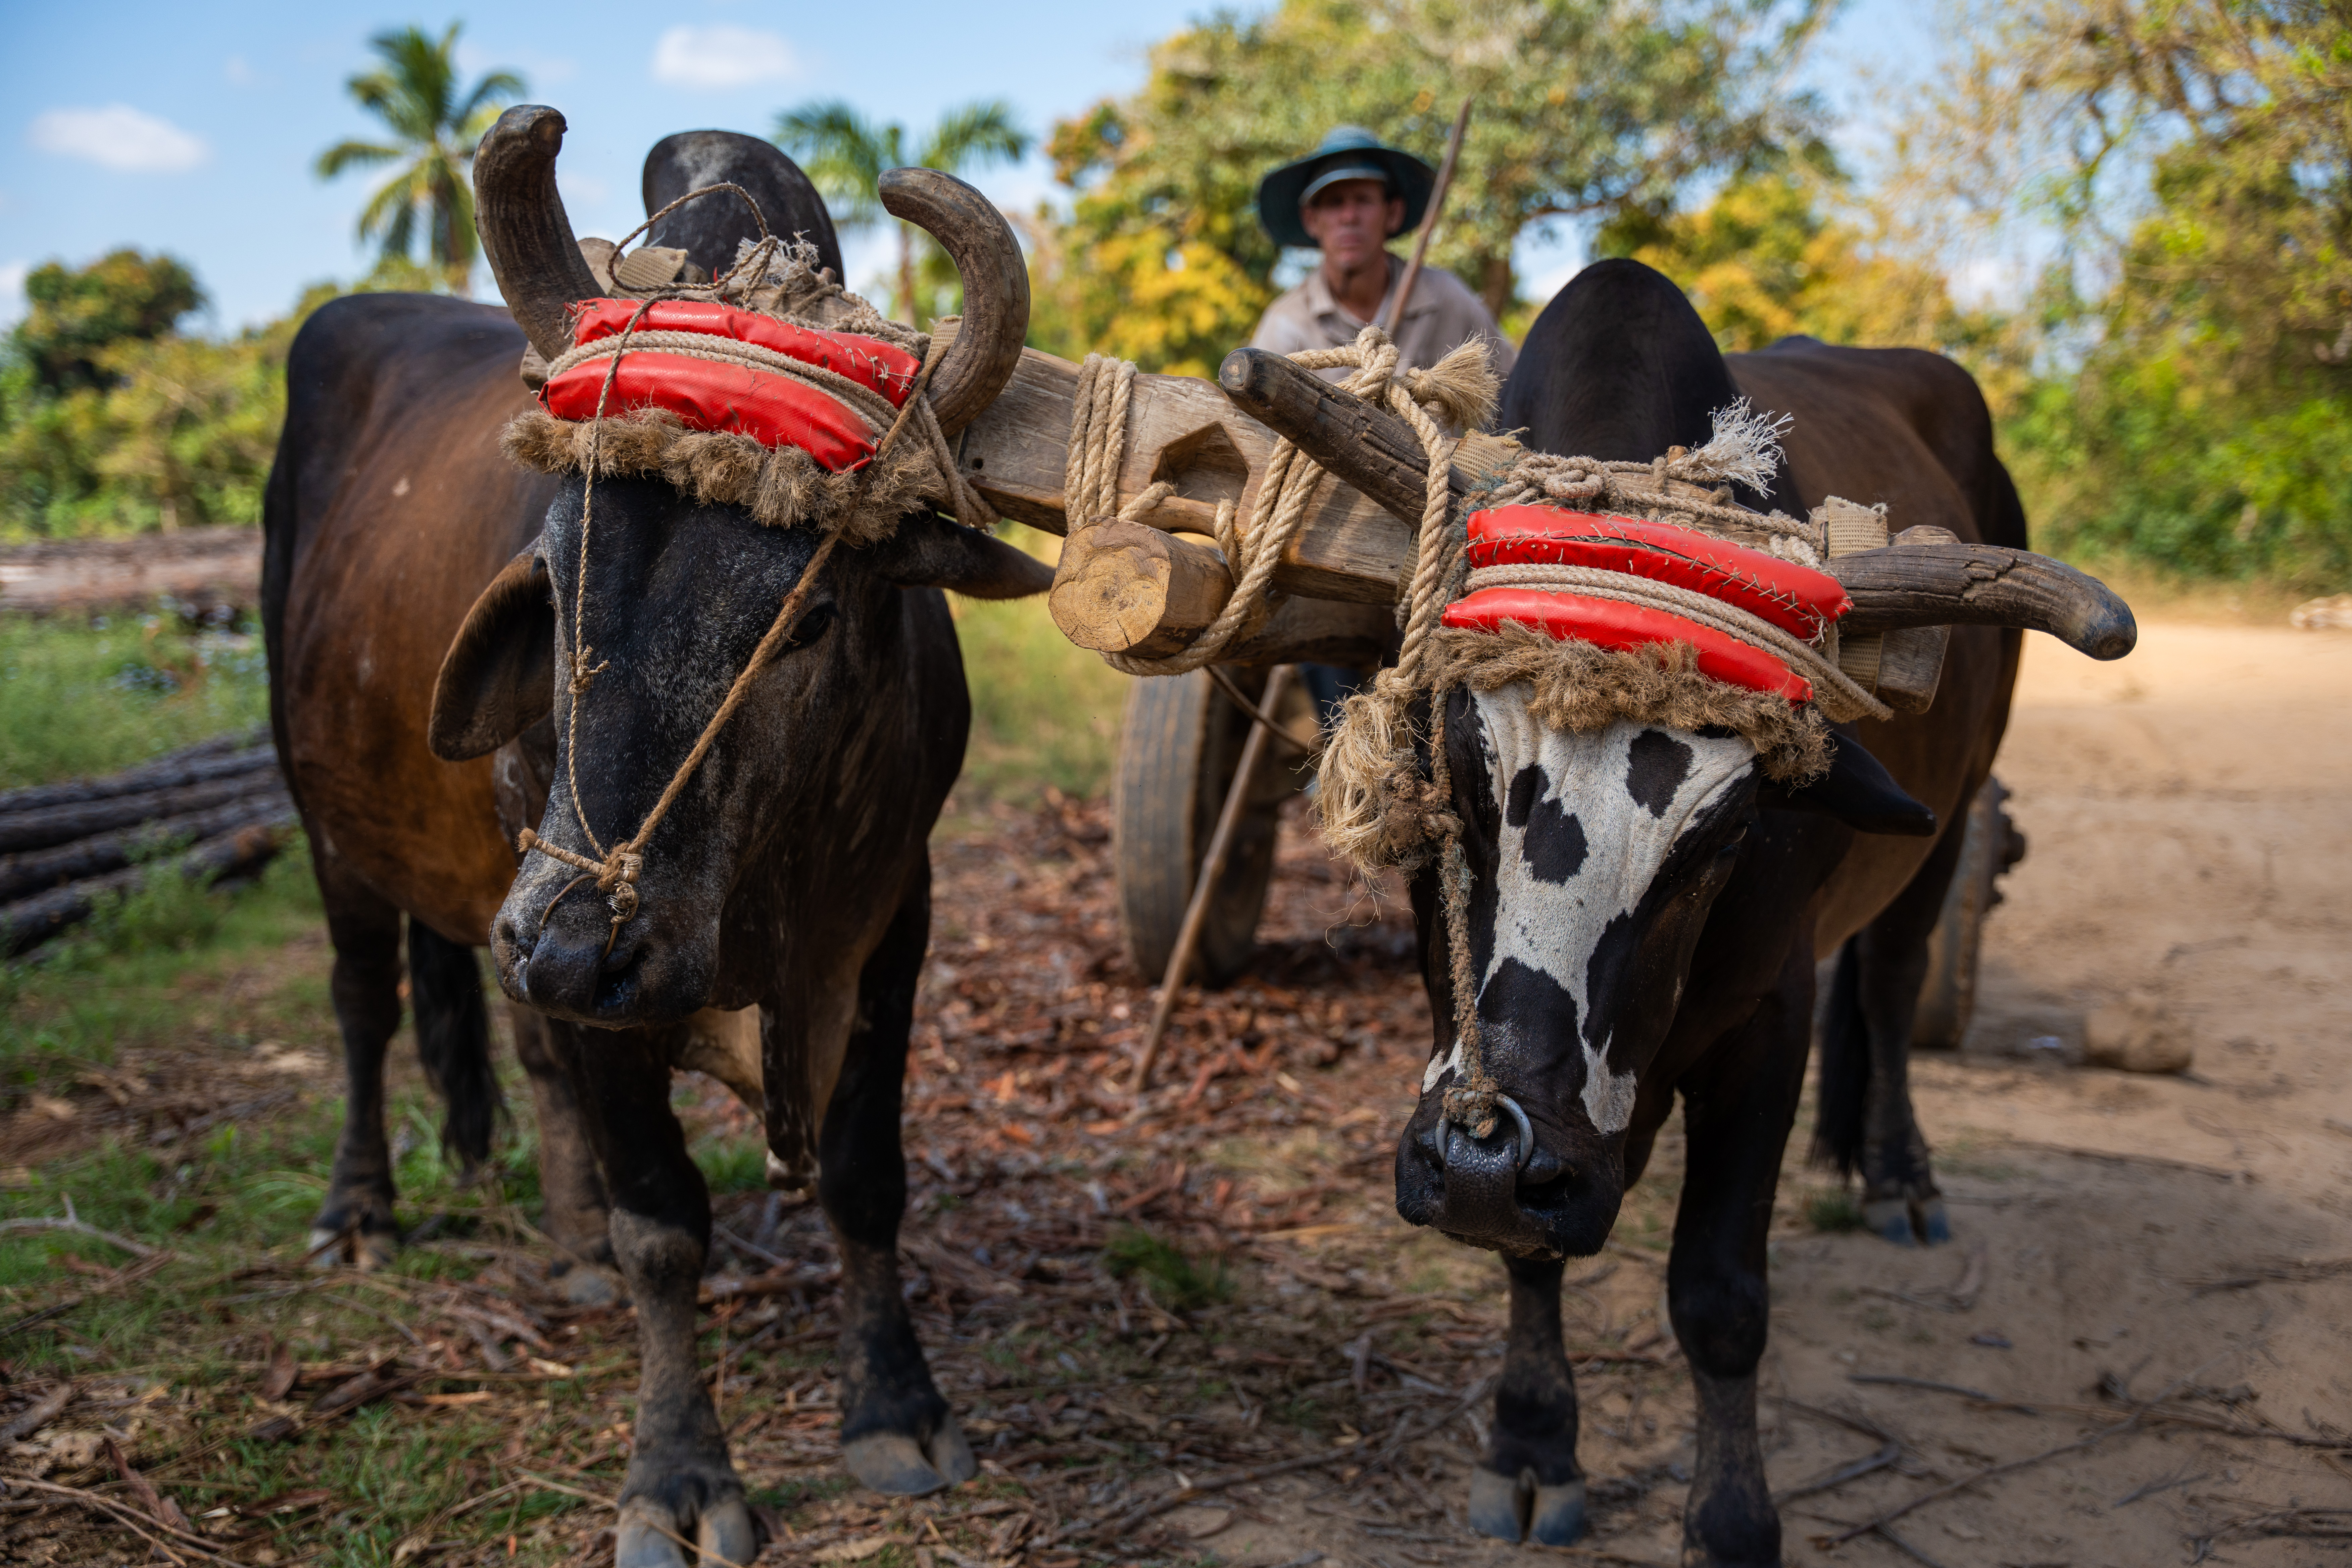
x: 1146, y: 590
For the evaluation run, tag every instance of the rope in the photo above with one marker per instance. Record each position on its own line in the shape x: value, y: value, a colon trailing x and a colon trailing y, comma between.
x: 1459, y: 387
x: 617, y: 870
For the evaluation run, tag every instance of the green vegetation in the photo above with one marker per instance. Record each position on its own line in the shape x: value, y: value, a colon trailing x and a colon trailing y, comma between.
x: 1044, y: 714
x: 1835, y: 1211
x: 434, y: 125
x: 1179, y: 1281
x: 845, y: 154
x: 1585, y: 110
x: 94, y: 697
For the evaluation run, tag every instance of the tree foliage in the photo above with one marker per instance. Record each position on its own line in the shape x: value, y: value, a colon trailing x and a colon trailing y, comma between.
x: 76, y: 313
x: 2195, y: 158
x: 162, y: 430
x: 1585, y: 109
x: 435, y: 124
x: 843, y: 155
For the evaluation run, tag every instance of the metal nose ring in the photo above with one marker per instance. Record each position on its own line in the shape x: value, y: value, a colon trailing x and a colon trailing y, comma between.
x: 1522, y: 1131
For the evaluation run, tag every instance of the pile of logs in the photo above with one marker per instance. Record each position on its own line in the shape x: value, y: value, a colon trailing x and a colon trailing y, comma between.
x: 217, y: 809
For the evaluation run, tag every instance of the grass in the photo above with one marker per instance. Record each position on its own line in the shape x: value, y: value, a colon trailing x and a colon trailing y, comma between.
x: 94, y: 696
x: 1044, y: 713
x: 1835, y: 1211
x: 1179, y: 1281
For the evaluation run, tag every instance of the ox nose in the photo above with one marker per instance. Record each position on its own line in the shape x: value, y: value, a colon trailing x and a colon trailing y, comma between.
x: 573, y: 974
x: 1483, y: 1183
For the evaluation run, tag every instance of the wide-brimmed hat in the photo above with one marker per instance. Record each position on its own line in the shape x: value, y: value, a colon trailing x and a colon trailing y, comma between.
x: 1348, y: 152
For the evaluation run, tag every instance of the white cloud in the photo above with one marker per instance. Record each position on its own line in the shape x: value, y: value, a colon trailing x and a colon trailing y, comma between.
x: 11, y: 291
x: 118, y: 137
x: 721, y: 55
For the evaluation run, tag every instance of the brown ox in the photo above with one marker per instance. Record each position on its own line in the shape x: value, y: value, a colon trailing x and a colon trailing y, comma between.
x: 791, y: 876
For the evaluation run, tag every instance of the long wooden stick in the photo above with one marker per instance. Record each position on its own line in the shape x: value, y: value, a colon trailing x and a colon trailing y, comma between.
x: 1213, y: 866
x: 1395, y: 312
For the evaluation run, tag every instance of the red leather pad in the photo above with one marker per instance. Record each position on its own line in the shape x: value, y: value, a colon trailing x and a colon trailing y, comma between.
x: 1796, y: 598
x: 773, y: 410
x: 1606, y: 623
x: 885, y: 367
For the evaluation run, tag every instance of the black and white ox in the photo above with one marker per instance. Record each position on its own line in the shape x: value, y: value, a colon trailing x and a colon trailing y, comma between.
x: 792, y: 875
x: 1647, y: 909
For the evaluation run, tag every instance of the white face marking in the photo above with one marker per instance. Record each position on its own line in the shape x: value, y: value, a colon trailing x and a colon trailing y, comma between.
x: 1589, y: 837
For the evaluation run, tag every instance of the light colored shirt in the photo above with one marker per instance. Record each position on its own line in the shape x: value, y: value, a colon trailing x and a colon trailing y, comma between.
x: 1443, y: 315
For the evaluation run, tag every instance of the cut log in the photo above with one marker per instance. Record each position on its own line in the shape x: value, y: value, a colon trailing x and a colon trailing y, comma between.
x: 28, y: 922
x: 225, y: 756
x: 39, y: 870
x: 1126, y: 588
x: 46, y: 825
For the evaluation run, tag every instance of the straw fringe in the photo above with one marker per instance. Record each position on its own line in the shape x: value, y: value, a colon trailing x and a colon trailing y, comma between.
x: 782, y: 487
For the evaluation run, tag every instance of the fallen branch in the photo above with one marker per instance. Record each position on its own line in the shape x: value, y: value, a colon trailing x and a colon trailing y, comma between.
x: 39, y: 1413
x: 195, y: 1545
x: 74, y: 1222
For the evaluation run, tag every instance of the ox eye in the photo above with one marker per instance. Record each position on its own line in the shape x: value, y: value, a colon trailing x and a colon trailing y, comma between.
x: 811, y: 626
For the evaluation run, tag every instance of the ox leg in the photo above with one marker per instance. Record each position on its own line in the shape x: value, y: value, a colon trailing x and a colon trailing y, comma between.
x: 1738, y: 1118
x: 1888, y: 963
x: 680, y: 1485
x: 897, y: 1434
x: 576, y: 1216
x: 1527, y: 1487
x: 365, y: 987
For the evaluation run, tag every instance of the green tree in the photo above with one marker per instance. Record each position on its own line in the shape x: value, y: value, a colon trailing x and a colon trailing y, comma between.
x: 435, y: 127
x: 845, y: 154
x: 2194, y: 157
x: 1584, y: 110
x: 78, y: 312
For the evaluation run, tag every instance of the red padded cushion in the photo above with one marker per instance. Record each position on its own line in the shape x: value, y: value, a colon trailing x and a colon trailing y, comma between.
x: 885, y: 367
x: 1607, y: 623
x: 1796, y: 598
x: 707, y: 396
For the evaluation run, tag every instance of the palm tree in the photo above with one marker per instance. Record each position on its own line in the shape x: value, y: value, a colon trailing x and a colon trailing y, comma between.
x: 845, y: 154
x: 435, y: 131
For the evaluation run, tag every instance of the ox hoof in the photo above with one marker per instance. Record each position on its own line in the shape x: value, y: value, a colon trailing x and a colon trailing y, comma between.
x: 1499, y: 1505
x: 650, y: 1536
x: 1889, y: 1219
x: 1932, y: 1224
x: 1559, y: 1516
x: 584, y: 1284
x: 897, y: 1465
x: 366, y: 1251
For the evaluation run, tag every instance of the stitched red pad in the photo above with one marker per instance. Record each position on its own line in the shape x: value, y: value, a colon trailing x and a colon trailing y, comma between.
x: 1606, y: 623
x: 1793, y: 597
x: 885, y: 367
x: 772, y: 409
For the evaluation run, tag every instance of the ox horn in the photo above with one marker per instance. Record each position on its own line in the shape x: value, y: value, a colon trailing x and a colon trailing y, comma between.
x: 1928, y: 578
x: 974, y: 368
x: 524, y: 231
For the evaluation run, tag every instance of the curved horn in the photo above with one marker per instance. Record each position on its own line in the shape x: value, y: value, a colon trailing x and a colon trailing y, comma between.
x: 524, y: 232
x: 967, y: 226
x: 1945, y: 583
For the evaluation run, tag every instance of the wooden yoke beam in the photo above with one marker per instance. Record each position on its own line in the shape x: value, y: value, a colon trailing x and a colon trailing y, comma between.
x: 1124, y: 593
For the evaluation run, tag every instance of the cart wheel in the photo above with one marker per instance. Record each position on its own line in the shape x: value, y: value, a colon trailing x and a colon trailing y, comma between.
x: 1947, y: 997
x: 1182, y: 740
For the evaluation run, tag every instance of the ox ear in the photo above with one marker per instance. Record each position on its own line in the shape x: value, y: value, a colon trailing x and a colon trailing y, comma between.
x: 929, y: 552
x: 497, y: 678
x: 1859, y: 791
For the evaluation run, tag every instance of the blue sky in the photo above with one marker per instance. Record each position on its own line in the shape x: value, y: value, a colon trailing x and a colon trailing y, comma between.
x: 193, y: 128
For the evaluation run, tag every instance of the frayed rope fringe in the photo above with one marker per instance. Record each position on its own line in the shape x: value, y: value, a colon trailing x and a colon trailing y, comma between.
x: 1377, y: 808
x: 782, y: 487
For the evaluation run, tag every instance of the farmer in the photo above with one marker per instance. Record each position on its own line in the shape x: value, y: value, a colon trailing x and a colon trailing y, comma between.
x: 1349, y: 198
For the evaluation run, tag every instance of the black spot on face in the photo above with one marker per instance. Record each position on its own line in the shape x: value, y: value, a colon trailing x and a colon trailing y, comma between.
x: 1656, y: 766
x: 1554, y: 848
x: 1523, y: 1005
